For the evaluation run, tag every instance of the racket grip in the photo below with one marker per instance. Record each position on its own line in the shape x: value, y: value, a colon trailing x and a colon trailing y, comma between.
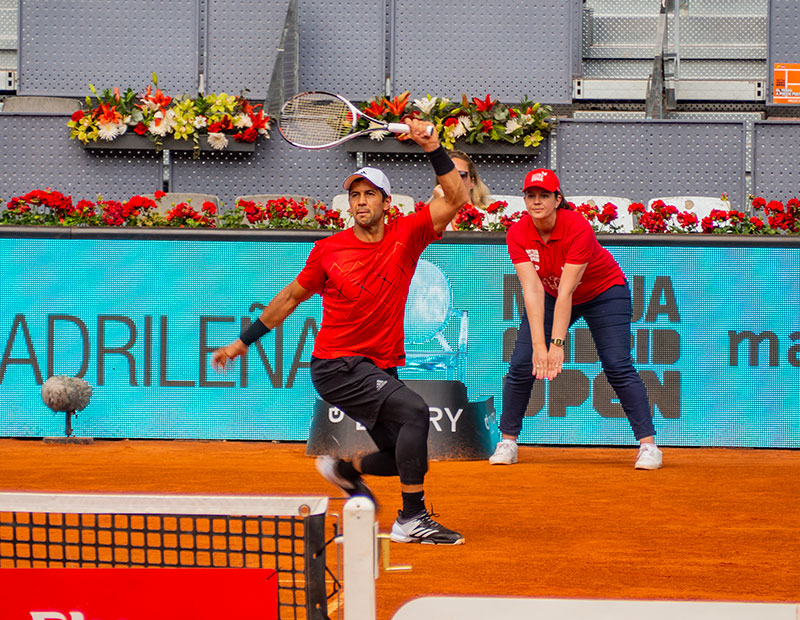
x: 403, y: 128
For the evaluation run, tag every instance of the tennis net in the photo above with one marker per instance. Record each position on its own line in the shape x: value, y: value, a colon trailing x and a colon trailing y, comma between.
x: 286, y: 534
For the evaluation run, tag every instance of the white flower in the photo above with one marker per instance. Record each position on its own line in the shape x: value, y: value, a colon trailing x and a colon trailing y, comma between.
x: 512, y: 125
x: 217, y: 141
x: 150, y: 104
x: 463, y: 126
x: 425, y: 105
x: 200, y: 121
x: 122, y: 127
x: 243, y: 121
x: 377, y: 135
x: 158, y: 127
x: 108, y: 131
x: 162, y: 123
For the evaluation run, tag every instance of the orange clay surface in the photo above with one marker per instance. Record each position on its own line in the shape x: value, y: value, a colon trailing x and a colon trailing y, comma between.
x: 714, y: 524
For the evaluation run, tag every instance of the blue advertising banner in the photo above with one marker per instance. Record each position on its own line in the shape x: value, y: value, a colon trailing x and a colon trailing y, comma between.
x: 715, y: 336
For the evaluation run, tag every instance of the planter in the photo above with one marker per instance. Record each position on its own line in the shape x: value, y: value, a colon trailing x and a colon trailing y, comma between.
x: 135, y: 142
x: 394, y: 146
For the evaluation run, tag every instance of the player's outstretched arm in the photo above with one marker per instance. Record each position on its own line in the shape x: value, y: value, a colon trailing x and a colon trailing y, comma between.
x: 281, y: 306
x: 455, y: 195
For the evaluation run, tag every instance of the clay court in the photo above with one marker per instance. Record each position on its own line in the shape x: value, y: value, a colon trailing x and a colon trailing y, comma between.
x: 714, y: 524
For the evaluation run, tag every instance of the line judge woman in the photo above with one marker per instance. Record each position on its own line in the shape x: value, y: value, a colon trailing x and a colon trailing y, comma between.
x: 565, y: 275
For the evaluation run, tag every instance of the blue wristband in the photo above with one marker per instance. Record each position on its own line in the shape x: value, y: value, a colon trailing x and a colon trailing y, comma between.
x: 254, y: 332
x: 441, y: 162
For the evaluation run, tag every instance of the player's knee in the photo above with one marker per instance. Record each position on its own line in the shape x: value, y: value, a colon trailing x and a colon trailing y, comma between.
x: 408, y: 407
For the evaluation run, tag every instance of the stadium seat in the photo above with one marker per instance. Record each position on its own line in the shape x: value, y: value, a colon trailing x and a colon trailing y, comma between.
x: 170, y: 199
x: 41, y: 105
x: 515, y: 202
x: 699, y: 205
x: 340, y: 202
x: 428, y: 313
x: 262, y: 198
x: 624, y: 219
x: 403, y: 202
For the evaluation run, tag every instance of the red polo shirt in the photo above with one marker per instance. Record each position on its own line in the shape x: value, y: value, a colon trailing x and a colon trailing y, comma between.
x: 364, y: 288
x: 572, y: 241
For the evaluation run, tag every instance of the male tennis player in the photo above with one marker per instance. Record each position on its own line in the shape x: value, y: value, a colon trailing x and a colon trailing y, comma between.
x: 363, y: 275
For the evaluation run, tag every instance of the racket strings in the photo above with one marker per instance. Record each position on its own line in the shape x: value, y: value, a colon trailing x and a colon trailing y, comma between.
x: 315, y: 120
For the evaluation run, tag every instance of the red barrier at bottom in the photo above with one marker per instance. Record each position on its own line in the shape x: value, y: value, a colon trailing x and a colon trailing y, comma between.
x: 138, y: 593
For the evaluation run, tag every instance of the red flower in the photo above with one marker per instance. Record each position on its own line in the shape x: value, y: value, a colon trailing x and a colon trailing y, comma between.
x: 393, y: 213
x: 588, y: 211
x: 483, y: 105
x: 419, y: 206
x: 687, y: 220
x: 141, y: 128
x: 225, y: 124
x: 159, y: 195
x: 398, y: 105
x: 468, y: 218
x: 759, y: 203
x: 636, y: 207
x: 77, y: 115
x: 652, y: 222
x: 497, y: 207
x: 375, y: 109
x: 450, y: 122
x: 259, y: 119
x: 507, y: 220
x: 209, y: 207
x: 608, y: 214
x: 486, y: 126
x: 140, y: 203
x: 248, y: 135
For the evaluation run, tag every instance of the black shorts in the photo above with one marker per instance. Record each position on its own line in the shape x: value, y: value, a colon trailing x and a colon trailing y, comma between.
x: 355, y: 385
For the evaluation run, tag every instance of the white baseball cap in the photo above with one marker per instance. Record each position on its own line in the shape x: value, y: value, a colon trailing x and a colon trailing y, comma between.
x: 373, y: 175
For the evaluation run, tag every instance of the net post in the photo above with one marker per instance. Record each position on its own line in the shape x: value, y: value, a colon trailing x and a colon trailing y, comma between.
x: 360, y: 559
x: 314, y: 552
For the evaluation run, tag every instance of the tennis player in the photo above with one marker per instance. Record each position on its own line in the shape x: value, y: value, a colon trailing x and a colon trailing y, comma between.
x: 363, y: 275
x: 565, y: 275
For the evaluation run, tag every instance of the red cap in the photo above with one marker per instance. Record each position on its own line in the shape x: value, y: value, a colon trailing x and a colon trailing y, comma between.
x: 544, y: 178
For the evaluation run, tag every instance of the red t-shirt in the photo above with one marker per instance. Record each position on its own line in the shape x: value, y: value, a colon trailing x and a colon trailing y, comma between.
x: 364, y: 288
x: 572, y: 241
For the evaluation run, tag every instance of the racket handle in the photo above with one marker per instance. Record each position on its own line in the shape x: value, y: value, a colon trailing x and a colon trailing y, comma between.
x: 403, y: 128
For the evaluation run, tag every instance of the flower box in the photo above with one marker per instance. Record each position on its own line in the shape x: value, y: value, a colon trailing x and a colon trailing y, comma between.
x: 391, y: 145
x: 135, y: 142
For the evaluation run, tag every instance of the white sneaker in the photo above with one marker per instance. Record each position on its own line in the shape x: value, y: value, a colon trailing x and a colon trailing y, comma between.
x: 327, y: 467
x: 423, y: 529
x: 649, y: 457
x: 505, y: 453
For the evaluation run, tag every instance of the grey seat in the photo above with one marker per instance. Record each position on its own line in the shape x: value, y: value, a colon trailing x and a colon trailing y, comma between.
x: 42, y: 105
x: 170, y: 199
x: 263, y: 198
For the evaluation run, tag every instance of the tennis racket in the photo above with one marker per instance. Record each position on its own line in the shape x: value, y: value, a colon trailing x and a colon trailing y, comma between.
x: 318, y: 120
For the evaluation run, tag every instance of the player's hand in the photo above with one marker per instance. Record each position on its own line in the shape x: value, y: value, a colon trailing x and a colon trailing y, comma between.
x: 419, y: 133
x: 555, y: 361
x: 540, y: 363
x: 220, y: 357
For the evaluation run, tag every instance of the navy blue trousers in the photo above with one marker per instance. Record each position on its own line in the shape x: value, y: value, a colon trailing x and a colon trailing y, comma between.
x: 608, y: 317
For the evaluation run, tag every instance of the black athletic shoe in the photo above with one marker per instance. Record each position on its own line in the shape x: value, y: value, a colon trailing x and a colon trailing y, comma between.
x: 327, y: 467
x: 423, y: 529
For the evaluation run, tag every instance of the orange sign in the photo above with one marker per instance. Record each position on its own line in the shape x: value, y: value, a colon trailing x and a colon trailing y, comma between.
x: 786, y: 83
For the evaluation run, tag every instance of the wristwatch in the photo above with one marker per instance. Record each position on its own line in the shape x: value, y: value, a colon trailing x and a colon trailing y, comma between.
x: 558, y: 342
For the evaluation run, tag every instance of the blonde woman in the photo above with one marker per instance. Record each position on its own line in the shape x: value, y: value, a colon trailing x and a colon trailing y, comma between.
x: 478, y: 192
